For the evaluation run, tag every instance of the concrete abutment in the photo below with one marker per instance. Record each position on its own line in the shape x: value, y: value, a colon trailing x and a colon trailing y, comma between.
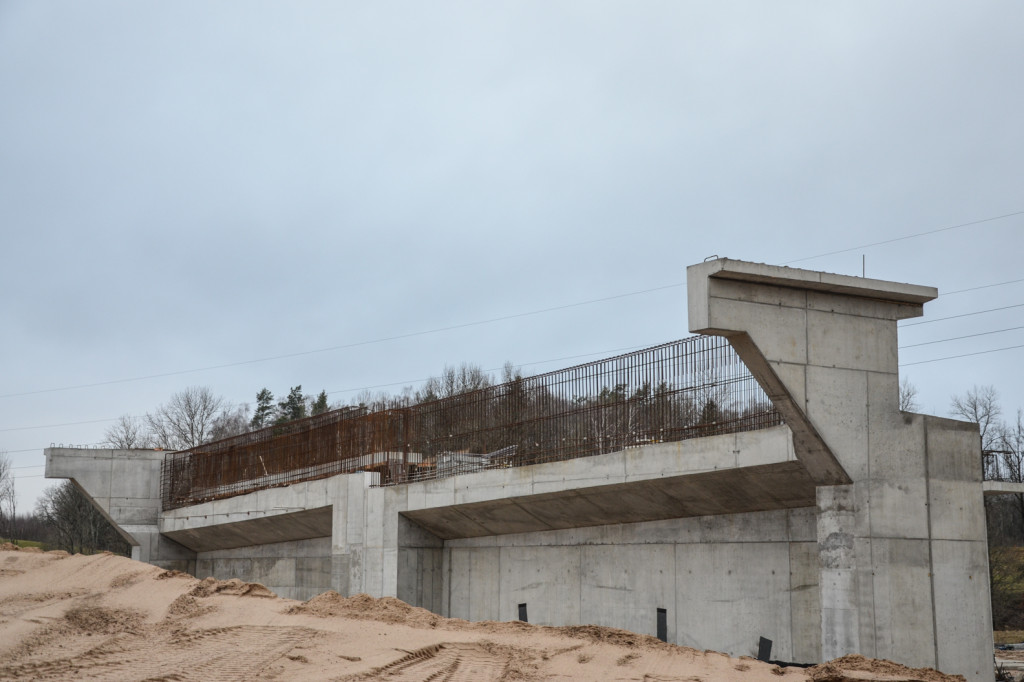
x: 854, y: 528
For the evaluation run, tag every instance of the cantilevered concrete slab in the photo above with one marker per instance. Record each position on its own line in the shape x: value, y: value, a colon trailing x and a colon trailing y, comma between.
x: 733, y: 473
x: 1003, y: 488
x: 261, y: 530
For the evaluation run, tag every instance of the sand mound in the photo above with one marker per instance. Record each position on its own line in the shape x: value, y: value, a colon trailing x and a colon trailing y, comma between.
x: 364, y: 607
x: 234, y: 586
x: 605, y: 635
x: 106, y: 617
x: 846, y: 669
x: 100, y: 620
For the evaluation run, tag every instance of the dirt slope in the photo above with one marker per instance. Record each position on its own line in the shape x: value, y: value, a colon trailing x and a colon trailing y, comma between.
x: 106, y: 617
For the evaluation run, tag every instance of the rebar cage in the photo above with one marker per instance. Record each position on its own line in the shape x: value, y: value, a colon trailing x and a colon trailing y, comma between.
x: 683, y: 389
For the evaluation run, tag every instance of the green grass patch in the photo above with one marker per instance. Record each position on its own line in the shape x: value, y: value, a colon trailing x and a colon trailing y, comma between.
x: 1008, y: 636
x: 24, y: 543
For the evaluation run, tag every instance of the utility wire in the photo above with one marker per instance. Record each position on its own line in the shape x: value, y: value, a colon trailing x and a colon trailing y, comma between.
x: 496, y: 369
x: 909, y: 236
x: 984, y: 286
x: 50, y: 426
x: 498, y: 319
x: 965, y: 355
x: 953, y: 317
x: 346, y: 345
x: 491, y: 320
x: 538, y: 362
x: 343, y: 390
x: 957, y: 338
x: 399, y: 383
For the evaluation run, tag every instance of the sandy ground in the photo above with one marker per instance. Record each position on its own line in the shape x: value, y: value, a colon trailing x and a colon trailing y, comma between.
x: 105, y: 617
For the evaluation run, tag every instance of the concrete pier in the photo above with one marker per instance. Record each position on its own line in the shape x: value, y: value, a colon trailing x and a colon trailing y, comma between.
x: 853, y: 528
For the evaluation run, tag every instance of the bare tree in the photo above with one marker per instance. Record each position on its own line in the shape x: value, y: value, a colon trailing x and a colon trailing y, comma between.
x: 454, y: 381
x: 8, y: 499
x: 230, y: 422
x: 76, y: 525
x: 186, y: 420
x: 981, y: 405
x: 1009, y: 453
x: 129, y: 433
x: 908, y: 396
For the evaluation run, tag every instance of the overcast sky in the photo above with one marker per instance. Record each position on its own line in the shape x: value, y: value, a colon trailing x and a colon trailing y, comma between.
x: 191, y: 185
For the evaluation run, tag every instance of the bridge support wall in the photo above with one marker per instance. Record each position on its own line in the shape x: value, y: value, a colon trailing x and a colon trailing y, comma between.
x: 855, y: 528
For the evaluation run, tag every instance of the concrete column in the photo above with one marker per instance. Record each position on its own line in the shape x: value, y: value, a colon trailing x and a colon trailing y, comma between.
x: 348, y: 539
x: 837, y: 557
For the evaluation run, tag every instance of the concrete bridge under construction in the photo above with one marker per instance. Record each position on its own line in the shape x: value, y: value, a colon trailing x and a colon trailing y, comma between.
x: 757, y: 481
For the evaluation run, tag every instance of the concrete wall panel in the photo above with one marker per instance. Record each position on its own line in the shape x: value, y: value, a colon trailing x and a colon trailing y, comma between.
x: 732, y: 594
x: 295, y: 570
x: 850, y: 342
x: 903, y: 625
x: 839, y: 411
x: 805, y: 602
x: 546, y: 579
x: 485, y: 596
x: 962, y: 608
x: 623, y: 586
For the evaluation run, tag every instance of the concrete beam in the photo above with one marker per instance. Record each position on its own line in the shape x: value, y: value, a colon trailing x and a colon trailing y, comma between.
x: 1002, y: 488
x: 263, y: 530
x: 911, y: 295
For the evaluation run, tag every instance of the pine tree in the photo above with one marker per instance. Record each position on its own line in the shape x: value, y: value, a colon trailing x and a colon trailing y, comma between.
x: 320, y: 405
x: 293, y: 407
x: 264, y: 409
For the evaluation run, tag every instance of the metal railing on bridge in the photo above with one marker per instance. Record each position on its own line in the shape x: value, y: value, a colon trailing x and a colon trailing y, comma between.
x: 684, y: 389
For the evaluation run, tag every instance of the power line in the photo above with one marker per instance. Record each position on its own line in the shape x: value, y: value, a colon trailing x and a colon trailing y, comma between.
x: 496, y: 369
x: 11, y: 452
x: 953, y: 317
x: 343, y: 390
x: 984, y: 286
x: 485, y: 321
x: 569, y: 357
x: 499, y: 319
x: 909, y: 236
x: 957, y: 338
x: 50, y: 426
x: 346, y: 345
x: 965, y: 355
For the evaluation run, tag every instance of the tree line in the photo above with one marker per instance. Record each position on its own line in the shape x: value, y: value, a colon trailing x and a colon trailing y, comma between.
x: 197, y: 415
